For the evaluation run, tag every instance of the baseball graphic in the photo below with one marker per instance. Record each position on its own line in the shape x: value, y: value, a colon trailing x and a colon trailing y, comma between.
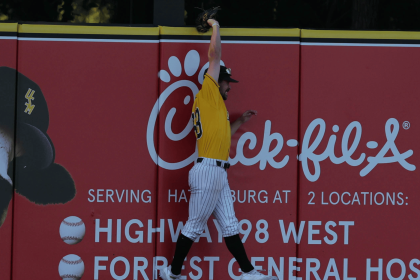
x: 71, y: 267
x: 72, y: 230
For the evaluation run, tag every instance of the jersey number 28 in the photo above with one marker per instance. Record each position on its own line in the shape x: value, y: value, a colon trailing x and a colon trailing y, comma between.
x: 197, y: 123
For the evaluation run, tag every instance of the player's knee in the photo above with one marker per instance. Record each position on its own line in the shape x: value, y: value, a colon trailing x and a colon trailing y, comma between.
x: 192, y: 232
x: 230, y: 230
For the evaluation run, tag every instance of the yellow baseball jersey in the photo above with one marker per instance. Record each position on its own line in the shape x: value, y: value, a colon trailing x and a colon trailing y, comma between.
x: 211, y: 121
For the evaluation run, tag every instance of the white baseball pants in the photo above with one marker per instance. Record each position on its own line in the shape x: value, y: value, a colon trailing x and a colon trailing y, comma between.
x: 210, y: 194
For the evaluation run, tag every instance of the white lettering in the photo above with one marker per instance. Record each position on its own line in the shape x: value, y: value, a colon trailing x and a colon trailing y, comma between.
x: 157, y: 267
x: 98, y: 195
x: 388, y: 269
x: 139, y: 233
x: 107, y: 229
x: 332, y: 270
x: 257, y: 259
x: 291, y: 230
x: 370, y: 269
x: 140, y: 268
x: 286, y: 192
x: 127, y: 268
x: 211, y: 261
x: 265, y: 197
x: 312, y: 231
x: 151, y: 230
x: 293, y: 267
x: 175, y: 234
x: 277, y: 197
x: 346, y: 271
x: 313, y: 270
x: 279, y: 270
x: 230, y: 270
x: 414, y: 269
x: 98, y: 267
x: 389, y: 146
x: 93, y: 197
x: 346, y: 230
x: 265, y: 155
x: 196, y: 268
x: 331, y: 232
x: 149, y: 197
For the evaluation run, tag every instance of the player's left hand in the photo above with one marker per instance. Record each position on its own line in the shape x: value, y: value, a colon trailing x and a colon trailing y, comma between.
x: 211, y: 21
x: 247, y: 115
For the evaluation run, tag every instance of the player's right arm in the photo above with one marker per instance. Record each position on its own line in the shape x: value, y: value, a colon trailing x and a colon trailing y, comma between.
x: 215, y: 50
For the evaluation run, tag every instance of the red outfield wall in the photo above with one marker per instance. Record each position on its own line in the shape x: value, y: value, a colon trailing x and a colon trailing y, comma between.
x: 359, y: 135
x: 99, y: 94
x: 112, y: 200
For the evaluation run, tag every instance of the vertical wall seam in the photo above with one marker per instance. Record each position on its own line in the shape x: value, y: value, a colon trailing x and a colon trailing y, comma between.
x: 157, y: 160
x: 299, y: 147
x: 14, y: 161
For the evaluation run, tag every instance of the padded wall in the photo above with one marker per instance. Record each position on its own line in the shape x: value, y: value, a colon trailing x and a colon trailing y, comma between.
x: 263, y: 178
x: 359, y: 182
x: 99, y: 84
x: 104, y: 146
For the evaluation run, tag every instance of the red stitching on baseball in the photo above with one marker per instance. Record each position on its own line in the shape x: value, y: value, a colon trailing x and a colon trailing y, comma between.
x: 70, y: 276
x: 72, y: 262
x: 73, y: 224
x: 70, y: 238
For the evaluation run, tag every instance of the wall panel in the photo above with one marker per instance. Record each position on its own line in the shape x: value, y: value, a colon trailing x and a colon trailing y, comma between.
x: 99, y: 84
x: 359, y: 131
x: 266, y: 64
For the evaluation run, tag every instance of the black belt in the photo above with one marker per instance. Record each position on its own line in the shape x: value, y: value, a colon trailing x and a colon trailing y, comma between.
x: 218, y: 163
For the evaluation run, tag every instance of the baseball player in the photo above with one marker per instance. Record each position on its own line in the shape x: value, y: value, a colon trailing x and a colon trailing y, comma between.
x: 210, y: 192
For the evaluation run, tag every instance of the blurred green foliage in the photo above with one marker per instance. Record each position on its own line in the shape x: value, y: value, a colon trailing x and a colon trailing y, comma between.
x: 78, y: 11
x: 316, y: 14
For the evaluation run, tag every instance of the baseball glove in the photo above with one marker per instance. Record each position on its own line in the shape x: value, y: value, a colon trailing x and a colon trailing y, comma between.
x: 201, y: 21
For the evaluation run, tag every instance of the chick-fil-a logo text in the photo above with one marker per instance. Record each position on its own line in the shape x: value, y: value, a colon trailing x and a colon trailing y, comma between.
x: 307, y: 155
x: 266, y: 155
x: 348, y: 149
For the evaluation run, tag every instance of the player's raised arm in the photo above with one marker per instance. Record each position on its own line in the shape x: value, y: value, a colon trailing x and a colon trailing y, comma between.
x: 215, y: 50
